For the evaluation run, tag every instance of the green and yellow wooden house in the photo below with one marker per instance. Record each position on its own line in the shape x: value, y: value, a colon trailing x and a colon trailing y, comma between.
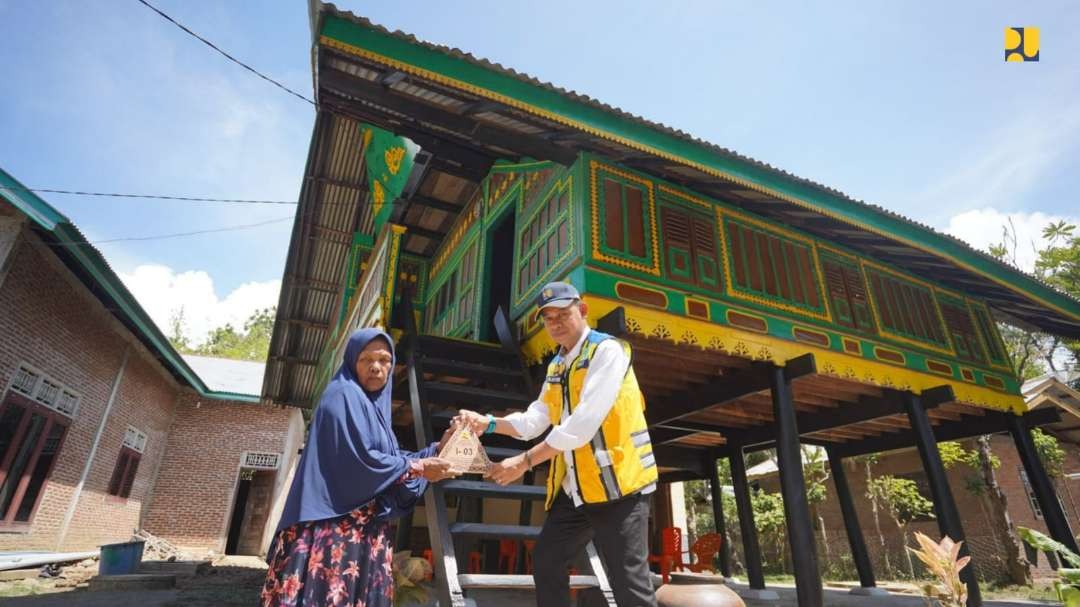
x: 764, y: 310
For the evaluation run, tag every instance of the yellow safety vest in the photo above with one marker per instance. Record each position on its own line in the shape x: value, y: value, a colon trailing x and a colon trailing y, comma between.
x: 619, y: 459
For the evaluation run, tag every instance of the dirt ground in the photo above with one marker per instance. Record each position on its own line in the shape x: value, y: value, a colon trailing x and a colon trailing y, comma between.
x: 233, y: 581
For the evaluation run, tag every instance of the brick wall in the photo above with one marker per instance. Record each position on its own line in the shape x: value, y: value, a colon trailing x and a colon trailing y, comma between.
x: 186, y: 476
x: 50, y: 322
x: 196, y: 486
x: 984, y: 540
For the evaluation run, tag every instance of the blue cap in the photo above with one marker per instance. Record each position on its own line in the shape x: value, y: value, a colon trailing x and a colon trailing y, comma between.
x: 556, y: 295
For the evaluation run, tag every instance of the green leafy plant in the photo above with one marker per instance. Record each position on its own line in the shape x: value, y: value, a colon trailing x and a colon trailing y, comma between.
x: 903, y: 502
x: 1068, y: 586
x: 943, y: 560
x: 409, y: 572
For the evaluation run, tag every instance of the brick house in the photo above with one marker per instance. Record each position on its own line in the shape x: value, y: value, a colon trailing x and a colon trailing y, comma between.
x: 983, y: 534
x: 104, y: 427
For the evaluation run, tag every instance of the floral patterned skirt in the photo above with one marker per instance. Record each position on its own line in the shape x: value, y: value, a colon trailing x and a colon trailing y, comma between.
x: 344, y: 561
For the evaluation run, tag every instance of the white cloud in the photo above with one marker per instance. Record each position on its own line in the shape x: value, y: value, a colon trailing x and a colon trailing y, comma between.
x: 163, y: 293
x: 982, y: 228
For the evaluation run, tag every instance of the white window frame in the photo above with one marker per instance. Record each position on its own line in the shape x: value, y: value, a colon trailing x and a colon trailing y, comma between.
x: 1032, y: 500
x: 39, y: 391
x: 135, y: 439
x: 257, y: 460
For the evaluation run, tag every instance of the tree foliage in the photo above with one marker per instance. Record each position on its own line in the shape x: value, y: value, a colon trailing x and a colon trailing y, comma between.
x: 250, y: 342
x: 1051, y: 454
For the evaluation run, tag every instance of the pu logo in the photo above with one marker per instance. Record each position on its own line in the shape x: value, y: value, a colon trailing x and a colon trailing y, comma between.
x: 1021, y: 44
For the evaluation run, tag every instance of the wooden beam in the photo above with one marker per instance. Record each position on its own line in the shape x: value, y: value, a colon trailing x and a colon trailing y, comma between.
x: 465, y: 127
x: 800, y: 530
x: 435, y: 203
x: 948, y: 515
x: 859, y: 554
x: 726, y: 389
x: 991, y: 423
x: 1040, y: 482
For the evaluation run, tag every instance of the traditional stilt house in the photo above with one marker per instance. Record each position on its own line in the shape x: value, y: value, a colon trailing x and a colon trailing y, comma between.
x: 764, y: 310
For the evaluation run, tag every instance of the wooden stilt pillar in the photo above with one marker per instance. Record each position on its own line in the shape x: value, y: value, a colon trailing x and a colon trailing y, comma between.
x: 793, y: 487
x: 751, y: 548
x: 948, y: 516
x: 1053, y: 514
x: 718, y: 515
x: 865, y: 568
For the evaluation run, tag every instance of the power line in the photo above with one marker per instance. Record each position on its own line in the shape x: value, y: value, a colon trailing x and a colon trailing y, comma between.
x: 227, y: 55
x: 84, y: 243
x: 151, y: 196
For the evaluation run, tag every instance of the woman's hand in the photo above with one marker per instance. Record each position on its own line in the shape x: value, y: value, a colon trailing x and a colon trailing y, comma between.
x: 472, y: 420
x: 446, y: 437
x: 435, y: 469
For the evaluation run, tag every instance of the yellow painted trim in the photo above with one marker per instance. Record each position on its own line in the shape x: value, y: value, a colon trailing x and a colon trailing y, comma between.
x: 708, y: 308
x: 450, y: 243
x: 594, y: 168
x: 666, y: 189
x: 874, y: 303
x: 729, y: 278
x: 630, y: 143
x: 758, y: 347
x: 1007, y: 367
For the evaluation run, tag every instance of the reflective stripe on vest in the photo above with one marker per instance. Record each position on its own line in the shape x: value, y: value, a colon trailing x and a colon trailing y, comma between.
x: 618, y: 460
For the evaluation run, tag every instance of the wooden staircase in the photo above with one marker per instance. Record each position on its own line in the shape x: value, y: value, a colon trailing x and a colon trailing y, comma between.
x: 443, y: 375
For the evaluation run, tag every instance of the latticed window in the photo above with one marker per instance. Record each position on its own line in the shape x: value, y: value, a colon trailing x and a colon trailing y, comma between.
x: 624, y: 218
x: 994, y: 348
x: 25, y: 380
x: 543, y: 239
x: 961, y: 329
x: 262, y: 461
x: 847, y: 294
x: 135, y: 439
x: 770, y: 265
x: 690, y: 247
x: 906, y: 308
x: 47, y: 392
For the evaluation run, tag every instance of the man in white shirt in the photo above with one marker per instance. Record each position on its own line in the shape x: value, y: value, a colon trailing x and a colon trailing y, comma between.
x: 602, y: 470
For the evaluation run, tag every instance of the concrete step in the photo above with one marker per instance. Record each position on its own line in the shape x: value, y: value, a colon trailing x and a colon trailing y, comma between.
x: 136, y: 581
x: 178, y: 568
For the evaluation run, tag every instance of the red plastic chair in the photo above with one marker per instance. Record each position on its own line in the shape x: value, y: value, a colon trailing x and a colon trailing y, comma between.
x: 508, y: 550
x: 529, y: 544
x: 475, y: 562
x: 670, y: 557
x: 431, y: 561
x: 705, y: 549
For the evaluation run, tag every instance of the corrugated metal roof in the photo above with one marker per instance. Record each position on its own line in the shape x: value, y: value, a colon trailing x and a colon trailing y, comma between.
x: 319, y: 10
x: 227, y: 375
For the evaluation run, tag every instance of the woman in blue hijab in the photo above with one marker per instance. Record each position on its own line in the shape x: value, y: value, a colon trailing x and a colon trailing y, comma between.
x: 333, y: 544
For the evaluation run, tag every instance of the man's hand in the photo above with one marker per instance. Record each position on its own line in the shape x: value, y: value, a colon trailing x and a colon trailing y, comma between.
x: 508, y: 470
x: 472, y: 420
x: 435, y: 469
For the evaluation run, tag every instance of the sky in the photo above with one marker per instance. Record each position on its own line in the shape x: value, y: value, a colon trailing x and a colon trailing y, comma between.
x: 906, y: 105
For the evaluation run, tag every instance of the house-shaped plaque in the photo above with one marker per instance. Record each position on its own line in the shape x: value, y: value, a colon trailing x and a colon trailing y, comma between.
x: 465, y: 453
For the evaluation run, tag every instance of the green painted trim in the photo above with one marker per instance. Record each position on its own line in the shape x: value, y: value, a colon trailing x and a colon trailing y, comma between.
x: 559, y: 106
x: 602, y: 284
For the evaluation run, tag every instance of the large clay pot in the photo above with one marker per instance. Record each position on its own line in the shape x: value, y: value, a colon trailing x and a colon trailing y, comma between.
x: 686, y: 591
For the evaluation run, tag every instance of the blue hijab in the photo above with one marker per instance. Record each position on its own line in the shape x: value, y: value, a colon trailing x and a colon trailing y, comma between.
x: 352, y: 456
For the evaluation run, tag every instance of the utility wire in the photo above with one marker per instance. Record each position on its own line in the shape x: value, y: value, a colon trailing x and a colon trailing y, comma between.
x: 227, y: 55
x: 83, y: 243
x: 152, y: 196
